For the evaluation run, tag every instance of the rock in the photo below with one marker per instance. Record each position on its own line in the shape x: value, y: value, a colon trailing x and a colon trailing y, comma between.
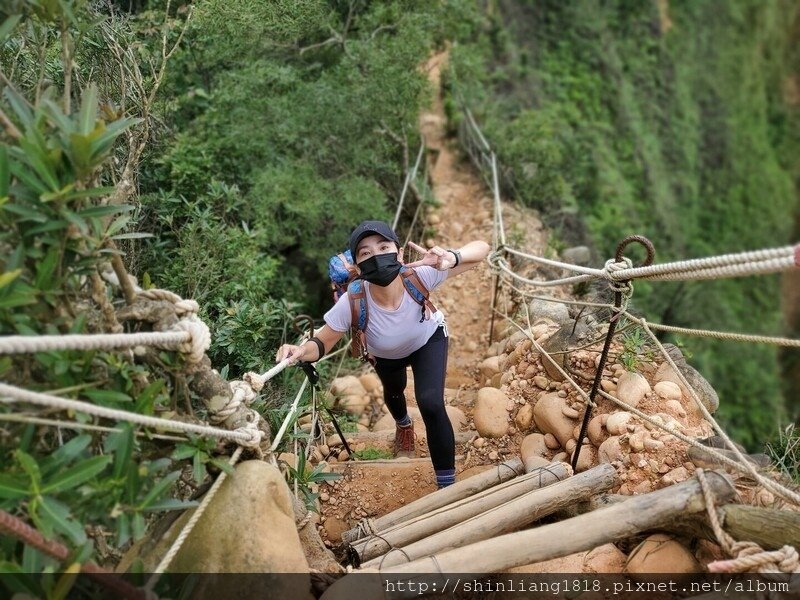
x: 343, y: 456
x: 541, y: 382
x: 387, y: 421
x: 617, y: 423
x: 490, y: 367
x: 549, y: 417
x: 370, y: 382
x: 644, y: 487
x: 610, y: 450
x: 335, y: 527
x: 551, y: 364
x: 674, y: 407
x: 555, y: 311
x: 493, y: 455
x: 604, y: 559
x: 608, y: 385
x: 668, y: 390
x: 348, y: 385
x: 490, y: 416
x: 568, y: 411
x: 355, y: 405
x: 660, y: 553
x: 479, y: 442
x: 595, y: 432
x: 577, y: 255
x: 561, y: 457
x: 249, y: 527
x: 706, y: 393
x: 288, y: 458
x: 675, y: 476
x: 631, y: 388
x: 457, y: 417
x: 524, y: 417
x: 586, y: 459
x: 533, y: 445
x: 551, y: 442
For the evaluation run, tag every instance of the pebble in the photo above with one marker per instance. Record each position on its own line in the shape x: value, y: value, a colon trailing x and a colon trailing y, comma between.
x: 551, y: 442
x: 324, y: 497
x: 541, y: 382
x: 493, y: 455
x: 479, y: 442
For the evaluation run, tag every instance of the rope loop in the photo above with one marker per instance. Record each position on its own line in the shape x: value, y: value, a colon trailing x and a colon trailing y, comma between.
x: 182, y: 307
x: 255, y: 381
x: 747, y: 556
x: 199, y: 338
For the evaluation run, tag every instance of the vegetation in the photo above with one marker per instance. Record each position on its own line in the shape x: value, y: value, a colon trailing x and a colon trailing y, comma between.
x: 670, y: 120
x: 224, y: 150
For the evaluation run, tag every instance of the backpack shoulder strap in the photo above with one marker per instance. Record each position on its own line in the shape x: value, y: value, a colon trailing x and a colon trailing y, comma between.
x: 416, y: 288
x: 359, y: 317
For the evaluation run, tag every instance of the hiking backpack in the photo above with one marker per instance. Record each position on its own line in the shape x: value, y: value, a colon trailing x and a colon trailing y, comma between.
x: 343, y: 279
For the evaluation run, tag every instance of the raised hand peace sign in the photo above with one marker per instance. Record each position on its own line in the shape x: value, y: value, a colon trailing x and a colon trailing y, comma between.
x: 436, y: 257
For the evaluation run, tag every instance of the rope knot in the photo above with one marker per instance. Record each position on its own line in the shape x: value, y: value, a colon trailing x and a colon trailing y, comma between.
x: 199, y: 338
x: 255, y: 380
x: 253, y: 433
x: 182, y: 307
x: 612, y: 266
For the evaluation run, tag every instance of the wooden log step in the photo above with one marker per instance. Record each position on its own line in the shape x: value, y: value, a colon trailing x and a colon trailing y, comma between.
x: 458, y: 491
x: 609, y: 524
x: 429, y: 523
x: 511, y: 516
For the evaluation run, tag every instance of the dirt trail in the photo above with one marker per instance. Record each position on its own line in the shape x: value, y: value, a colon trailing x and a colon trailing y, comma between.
x: 463, y: 213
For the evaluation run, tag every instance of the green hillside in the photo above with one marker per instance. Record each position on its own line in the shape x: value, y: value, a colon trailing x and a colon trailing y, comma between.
x: 665, y: 119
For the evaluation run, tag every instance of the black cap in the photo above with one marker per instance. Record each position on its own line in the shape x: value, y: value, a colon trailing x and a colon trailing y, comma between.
x: 368, y: 228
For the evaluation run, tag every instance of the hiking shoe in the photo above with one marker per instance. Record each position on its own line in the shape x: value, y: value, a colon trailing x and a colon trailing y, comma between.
x: 404, y: 441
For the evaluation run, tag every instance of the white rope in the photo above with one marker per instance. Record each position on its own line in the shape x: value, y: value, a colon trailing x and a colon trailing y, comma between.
x: 598, y: 273
x: 248, y: 436
x: 498, y: 262
x: 766, y: 267
x: 498, y: 207
x: 23, y: 418
x: 288, y: 418
x: 787, y: 255
x: 721, y: 335
x: 179, y: 541
x: 410, y: 176
x: 28, y: 344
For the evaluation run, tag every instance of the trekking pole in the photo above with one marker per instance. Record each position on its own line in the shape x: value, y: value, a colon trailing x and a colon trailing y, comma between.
x: 313, y: 377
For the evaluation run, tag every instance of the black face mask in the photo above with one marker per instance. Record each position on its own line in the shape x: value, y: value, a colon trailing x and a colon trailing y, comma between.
x: 381, y: 269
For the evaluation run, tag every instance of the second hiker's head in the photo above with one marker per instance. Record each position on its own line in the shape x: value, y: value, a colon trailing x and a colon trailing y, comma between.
x: 368, y: 240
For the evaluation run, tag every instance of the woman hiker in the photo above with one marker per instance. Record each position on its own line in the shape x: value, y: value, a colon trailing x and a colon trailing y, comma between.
x: 397, y: 336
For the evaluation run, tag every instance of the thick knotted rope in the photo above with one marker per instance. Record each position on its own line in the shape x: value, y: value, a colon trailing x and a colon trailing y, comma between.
x: 748, y: 556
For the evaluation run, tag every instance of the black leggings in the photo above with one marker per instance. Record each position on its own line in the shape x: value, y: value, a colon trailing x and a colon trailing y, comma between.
x: 429, y: 365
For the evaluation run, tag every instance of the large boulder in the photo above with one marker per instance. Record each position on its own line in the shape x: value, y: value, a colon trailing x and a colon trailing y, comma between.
x: 248, y: 527
x: 490, y: 416
x: 708, y: 396
x: 370, y: 382
x: 554, y: 311
x: 660, y: 553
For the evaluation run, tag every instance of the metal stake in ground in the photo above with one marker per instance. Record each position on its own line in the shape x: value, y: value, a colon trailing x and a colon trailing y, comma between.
x: 618, y: 288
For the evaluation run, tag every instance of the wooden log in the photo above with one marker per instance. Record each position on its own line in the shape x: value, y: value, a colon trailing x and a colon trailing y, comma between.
x: 387, y: 435
x: 458, y: 491
x: 427, y: 524
x: 610, y: 524
x: 769, y: 528
x: 508, y: 517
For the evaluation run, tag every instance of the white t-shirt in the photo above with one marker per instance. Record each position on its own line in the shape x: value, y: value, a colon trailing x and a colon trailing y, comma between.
x: 392, y: 333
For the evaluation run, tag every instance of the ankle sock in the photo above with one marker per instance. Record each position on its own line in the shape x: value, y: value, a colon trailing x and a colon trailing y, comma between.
x: 445, y: 477
x: 405, y: 421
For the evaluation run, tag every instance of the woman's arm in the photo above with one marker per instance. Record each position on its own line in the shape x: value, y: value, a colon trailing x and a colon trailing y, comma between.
x: 470, y: 255
x: 309, y: 352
